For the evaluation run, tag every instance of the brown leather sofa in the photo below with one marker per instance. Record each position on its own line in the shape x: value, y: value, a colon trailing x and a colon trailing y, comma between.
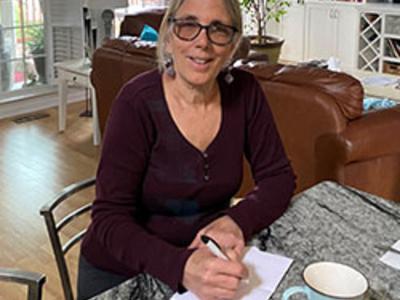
x: 318, y: 113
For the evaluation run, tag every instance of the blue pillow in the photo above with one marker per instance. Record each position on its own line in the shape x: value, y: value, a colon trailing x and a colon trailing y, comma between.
x: 149, y: 34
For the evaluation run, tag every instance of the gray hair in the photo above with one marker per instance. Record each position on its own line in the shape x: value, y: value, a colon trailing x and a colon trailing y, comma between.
x: 232, y: 6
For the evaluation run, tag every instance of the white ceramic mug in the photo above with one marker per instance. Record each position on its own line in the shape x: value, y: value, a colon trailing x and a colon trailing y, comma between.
x: 329, y: 280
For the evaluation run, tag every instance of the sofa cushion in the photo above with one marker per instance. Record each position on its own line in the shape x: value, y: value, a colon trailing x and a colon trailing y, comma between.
x: 133, y: 24
x: 132, y: 45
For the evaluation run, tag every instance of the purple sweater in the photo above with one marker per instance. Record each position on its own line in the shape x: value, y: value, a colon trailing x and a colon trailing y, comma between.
x: 155, y: 190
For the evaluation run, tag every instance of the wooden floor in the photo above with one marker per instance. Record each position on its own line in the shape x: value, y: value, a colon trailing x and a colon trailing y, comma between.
x: 36, y: 162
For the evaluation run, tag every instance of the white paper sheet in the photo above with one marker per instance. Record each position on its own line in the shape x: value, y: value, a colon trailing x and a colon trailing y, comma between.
x: 266, y: 271
x: 391, y: 258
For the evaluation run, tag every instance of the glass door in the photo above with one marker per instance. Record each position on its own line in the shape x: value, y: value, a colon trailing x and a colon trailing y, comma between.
x: 23, y: 53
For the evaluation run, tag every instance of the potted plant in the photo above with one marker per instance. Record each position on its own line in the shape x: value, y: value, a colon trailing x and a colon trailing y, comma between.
x: 36, y: 45
x: 260, y: 12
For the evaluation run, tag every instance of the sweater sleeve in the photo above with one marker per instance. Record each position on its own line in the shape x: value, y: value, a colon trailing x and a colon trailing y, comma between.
x: 271, y: 170
x: 116, y: 214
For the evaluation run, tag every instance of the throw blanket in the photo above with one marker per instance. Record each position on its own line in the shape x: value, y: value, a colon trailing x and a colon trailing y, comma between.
x: 377, y: 103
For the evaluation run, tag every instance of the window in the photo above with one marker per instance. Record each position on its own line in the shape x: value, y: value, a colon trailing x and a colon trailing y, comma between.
x: 22, y: 46
x: 144, y: 3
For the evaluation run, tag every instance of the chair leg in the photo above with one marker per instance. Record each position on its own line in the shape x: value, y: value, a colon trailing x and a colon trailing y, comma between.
x: 35, y: 291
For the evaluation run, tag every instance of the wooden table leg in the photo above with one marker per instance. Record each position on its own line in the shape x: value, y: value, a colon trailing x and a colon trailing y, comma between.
x: 62, y: 102
x: 95, y: 118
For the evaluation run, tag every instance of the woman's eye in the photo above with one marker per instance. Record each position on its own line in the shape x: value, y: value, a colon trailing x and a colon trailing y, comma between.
x: 188, y: 25
x: 220, y: 29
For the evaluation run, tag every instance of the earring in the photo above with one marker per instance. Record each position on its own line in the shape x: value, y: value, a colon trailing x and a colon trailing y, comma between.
x: 228, y: 76
x: 169, y: 67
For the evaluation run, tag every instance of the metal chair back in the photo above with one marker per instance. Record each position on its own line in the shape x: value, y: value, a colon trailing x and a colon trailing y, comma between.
x: 54, y: 229
x: 33, y: 280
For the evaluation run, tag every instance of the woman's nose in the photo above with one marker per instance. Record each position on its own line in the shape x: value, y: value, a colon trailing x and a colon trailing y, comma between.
x: 202, y: 39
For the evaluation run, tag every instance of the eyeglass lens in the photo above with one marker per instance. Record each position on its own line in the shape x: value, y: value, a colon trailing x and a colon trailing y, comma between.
x: 217, y: 33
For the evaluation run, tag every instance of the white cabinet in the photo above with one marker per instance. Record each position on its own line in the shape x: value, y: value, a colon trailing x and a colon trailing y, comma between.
x: 319, y: 42
x: 331, y: 29
x: 293, y: 32
x: 347, y: 35
x: 291, y: 28
x: 362, y: 36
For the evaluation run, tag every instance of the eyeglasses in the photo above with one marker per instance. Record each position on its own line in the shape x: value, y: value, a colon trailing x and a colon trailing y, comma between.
x: 217, y: 33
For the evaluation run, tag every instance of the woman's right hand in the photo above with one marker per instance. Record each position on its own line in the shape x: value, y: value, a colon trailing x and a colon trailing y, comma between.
x: 213, y: 278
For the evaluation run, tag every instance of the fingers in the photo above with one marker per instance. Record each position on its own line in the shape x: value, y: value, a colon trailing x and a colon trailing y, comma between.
x: 233, y: 270
x: 220, y: 280
x: 210, y: 277
x: 233, y: 254
x: 221, y: 286
x: 239, y: 247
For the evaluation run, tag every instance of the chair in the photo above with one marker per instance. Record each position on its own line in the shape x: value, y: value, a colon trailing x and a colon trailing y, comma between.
x: 33, y: 280
x: 54, y: 228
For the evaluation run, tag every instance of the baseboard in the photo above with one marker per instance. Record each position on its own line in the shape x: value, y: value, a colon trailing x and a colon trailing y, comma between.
x: 32, y: 104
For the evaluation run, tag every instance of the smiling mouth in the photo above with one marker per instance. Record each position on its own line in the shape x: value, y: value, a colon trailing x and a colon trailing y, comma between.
x: 200, y: 61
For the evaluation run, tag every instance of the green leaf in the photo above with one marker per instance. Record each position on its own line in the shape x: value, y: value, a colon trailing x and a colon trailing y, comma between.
x: 273, y: 9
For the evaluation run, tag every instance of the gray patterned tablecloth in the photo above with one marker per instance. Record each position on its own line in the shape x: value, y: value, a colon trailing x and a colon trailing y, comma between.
x: 327, y: 222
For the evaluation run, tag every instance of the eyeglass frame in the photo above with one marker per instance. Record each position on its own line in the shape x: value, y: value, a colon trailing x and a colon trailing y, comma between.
x: 173, y: 20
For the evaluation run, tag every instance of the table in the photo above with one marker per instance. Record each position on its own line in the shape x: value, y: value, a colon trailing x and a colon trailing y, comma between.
x: 78, y: 72
x: 327, y: 222
x: 387, y: 91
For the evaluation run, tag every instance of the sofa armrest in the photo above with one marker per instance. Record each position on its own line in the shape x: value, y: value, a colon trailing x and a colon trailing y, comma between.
x: 370, y: 136
x: 302, y: 116
x: 304, y: 111
x: 373, y: 135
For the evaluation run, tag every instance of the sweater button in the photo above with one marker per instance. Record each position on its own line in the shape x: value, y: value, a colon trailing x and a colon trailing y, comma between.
x: 206, y: 166
x: 205, y: 155
x: 206, y: 178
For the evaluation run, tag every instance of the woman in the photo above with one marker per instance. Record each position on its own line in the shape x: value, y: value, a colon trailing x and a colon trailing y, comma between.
x: 172, y: 160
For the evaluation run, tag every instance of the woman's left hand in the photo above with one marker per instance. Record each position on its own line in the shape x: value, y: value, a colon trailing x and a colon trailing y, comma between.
x: 225, y: 231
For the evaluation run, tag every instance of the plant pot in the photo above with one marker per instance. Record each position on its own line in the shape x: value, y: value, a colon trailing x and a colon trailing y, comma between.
x: 270, y: 46
x: 5, y: 71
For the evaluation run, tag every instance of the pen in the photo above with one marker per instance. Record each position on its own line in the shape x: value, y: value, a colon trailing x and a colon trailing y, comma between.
x: 390, y: 249
x: 213, y: 247
x: 394, y: 250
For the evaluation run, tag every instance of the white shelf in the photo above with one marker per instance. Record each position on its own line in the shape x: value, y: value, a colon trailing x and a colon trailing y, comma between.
x: 370, y: 41
x: 392, y: 36
x: 377, y: 30
x: 391, y: 59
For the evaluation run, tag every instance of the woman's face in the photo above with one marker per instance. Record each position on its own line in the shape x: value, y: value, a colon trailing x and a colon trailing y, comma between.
x: 198, y: 62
